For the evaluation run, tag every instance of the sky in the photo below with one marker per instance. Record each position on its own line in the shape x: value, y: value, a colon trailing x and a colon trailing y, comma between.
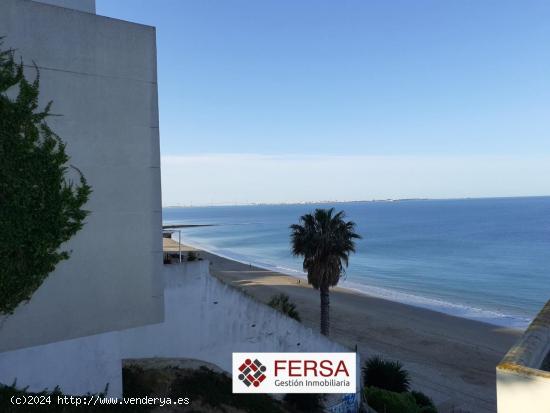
x: 308, y: 100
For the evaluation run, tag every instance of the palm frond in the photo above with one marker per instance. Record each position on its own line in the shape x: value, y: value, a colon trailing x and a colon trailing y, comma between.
x: 325, y: 241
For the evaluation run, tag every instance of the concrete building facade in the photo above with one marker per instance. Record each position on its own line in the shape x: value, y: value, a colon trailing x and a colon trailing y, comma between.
x: 101, y: 75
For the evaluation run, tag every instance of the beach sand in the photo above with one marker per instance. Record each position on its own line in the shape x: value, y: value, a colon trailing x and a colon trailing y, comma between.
x: 451, y: 359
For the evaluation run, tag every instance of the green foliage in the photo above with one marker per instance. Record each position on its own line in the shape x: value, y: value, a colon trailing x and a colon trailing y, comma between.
x: 325, y: 241
x: 385, y: 401
x: 304, y: 402
x: 282, y: 303
x: 424, y: 402
x: 215, y: 390
x: 192, y: 256
x: 386, y: 374
x: 40, y: 208
x: 387, y: 388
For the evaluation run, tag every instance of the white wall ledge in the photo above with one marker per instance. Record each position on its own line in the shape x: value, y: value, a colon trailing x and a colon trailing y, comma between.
x: 521, y: 384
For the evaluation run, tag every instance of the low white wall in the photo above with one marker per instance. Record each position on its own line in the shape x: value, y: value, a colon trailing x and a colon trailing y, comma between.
x: 204, y: 319
x: 78, y: 366
x: 521, y: 385
x: 521, y: 393
x: 213, y: 320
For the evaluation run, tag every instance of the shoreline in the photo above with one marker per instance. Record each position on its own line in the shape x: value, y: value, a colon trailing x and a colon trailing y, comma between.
x: 451, y: 359
x: 452, y: 309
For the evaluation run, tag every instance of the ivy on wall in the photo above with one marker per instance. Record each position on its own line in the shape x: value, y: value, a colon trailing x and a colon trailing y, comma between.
x: 40, y: 207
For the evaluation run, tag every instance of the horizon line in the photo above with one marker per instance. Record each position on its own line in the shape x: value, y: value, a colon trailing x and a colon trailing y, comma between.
x: 352, y: 201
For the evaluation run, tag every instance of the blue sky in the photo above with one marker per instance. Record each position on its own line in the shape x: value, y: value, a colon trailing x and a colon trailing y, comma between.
x: 265, y: 82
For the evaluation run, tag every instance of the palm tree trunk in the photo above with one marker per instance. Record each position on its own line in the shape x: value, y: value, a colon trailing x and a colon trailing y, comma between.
x: 325, y: 308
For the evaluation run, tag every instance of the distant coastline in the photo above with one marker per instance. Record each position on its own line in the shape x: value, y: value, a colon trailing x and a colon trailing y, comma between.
x: 324, y: 202
x: 187, y: 226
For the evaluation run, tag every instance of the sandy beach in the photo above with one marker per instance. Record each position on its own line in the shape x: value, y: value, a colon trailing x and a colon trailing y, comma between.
x: 451, y: 359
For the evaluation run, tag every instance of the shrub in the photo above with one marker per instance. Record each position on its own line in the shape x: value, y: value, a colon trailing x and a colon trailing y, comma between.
x: 386, y: 374
x: 391, y: 402
x: 40, y: 207
x: 424, y: 402
x: 307, y: 403
x: 282, y: 303
x: 192, y: 256
x: 215, y: 390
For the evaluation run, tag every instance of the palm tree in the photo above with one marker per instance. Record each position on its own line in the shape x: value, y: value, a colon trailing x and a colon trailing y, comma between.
x: 325, y: 241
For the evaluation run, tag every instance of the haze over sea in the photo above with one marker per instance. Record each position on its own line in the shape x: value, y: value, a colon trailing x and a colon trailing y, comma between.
x: 485, y: 259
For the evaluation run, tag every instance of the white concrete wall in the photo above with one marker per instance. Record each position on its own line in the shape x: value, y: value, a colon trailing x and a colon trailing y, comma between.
x: 205, y: 320
x: 521, y: 385
x: 215, y: 320
x: 87, y: 6
x: 521, y: 393
x: 101, y: 75
x: 78, y: 366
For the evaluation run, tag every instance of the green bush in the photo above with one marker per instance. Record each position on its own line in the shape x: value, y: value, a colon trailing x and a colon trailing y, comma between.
x: 40, y: 207
x: 423, y: 401
x: 386, y: 374
x: 304, y: 402
x: 215, y: 389
x: 282, y: 303
x: 192, y: 256
x: 385, y: 401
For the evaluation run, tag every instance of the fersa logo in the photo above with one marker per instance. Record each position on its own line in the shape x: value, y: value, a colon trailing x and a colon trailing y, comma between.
x: 252, y: 372
x: 295, y: 372
x: 311, y: 368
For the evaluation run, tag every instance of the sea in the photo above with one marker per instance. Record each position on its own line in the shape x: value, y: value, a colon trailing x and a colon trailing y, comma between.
x: 482, y: 259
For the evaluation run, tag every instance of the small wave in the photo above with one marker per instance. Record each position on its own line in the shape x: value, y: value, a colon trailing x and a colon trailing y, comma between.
x: 230, y: 255
x: 434, y: 304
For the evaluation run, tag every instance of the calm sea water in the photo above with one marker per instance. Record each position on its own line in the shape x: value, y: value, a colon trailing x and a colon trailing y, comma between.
x: 486, y: 259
